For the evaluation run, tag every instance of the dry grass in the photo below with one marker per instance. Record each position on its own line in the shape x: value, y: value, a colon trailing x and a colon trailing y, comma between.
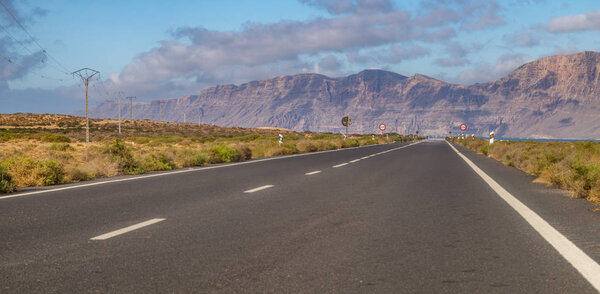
x: 37, y: 150
x: 573, y: 166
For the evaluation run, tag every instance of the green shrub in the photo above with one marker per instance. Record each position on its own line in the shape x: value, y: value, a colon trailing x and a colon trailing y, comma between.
x: 323, y: 136
x: 244, y: 151
x: 61, y: 146
x: 78, y: 174
x: 55, y: 138
x: 223, y: 153
x: 288, y: 148
x: 331, y: 146
x: 7, y: 184
x: 139, y: 140
x: 165, y: 140
x: 118, y: 151
x: 32, y: 172
x: 197, y: 159
x: 52, y: 172
x: 157, y: 161
x: 4, y: 136
x: 351, y: 143
x: 484, y: 149
x: 250, y: 138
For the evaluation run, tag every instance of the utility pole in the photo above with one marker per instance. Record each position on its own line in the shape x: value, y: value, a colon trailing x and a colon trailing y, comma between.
x: 184, y: 117
x: 119, y: 96
x: 85, y: 74
x: 130, y: 107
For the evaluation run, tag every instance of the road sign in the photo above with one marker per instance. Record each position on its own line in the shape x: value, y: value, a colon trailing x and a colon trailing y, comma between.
x: 382, y: 127
x: 346, y: 121
x: 463, y: 127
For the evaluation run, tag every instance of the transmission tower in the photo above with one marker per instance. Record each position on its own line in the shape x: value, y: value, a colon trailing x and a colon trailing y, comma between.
x: 85, y: 74
x: 160, y: 103
x: 130, y: 107
x: 119, y: 97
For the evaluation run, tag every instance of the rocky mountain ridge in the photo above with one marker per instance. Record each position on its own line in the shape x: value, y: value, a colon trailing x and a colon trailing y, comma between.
x: 553, y: 97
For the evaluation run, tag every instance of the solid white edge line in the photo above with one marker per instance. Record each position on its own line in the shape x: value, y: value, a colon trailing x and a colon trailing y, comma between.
x: 586, y: 266
x: 259, y: 188
x: 340, y: 165
x: 128, y: 229
x: 312, y: 173
x: 353, y: 161
x: 75, y: 186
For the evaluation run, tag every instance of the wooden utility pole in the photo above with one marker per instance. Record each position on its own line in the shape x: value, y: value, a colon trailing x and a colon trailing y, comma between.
x: 85, y: 74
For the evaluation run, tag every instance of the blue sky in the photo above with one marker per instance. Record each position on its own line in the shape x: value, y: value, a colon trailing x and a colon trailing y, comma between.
x: 160, y: 49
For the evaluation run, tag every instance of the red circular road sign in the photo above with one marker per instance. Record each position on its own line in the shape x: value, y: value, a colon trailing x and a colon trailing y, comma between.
x: 382, y: 127
x: 463, y: 127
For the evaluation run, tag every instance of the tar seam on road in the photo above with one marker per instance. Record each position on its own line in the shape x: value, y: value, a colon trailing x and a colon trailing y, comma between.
x: 586, y: 266
x: 259, y: 188
x: 128, y: 229
x: 312, y: 173
x: 176, y: 172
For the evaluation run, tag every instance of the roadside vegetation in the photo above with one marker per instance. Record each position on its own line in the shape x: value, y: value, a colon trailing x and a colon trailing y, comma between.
x: 572, y: 166
x: 31, y: 155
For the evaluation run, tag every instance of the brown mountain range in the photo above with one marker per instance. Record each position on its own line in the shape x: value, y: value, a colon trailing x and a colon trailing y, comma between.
x: 553, y: 97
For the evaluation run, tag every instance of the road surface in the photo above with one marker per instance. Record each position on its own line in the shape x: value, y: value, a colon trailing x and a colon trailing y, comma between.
x: 396, y: 218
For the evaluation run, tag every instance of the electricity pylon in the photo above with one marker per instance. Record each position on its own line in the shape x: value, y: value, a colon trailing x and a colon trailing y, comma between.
x: 85, y: 74
x: 130, y: 107
x: 119, y: 97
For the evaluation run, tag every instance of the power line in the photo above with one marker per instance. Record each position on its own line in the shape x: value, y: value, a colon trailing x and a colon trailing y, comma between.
x: 30, y: 71
x: 66, y: 71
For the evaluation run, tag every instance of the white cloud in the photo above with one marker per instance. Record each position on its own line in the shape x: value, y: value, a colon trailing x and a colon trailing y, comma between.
x: 589, y: 21
x: 522, y: 39
x: 485, y: 72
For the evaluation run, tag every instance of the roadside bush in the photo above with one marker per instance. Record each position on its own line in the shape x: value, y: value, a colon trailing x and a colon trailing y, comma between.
x: 157, y: 161
x: 77, y: 174
x: 7, y: 184
x: 223, y: 153
x: 244, y: 151
x: 307, y: 146
x: 350, y: 143
x: 484, y: 149
x: 31, y: 172
x: 197, y: 159
x: 52, y: 172
x: 121, y: 153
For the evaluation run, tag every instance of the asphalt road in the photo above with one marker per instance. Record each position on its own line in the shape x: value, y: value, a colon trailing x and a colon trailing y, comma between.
x: 380, y: 219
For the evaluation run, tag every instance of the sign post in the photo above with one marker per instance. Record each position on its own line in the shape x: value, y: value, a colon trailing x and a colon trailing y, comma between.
x: 346, y: 122
x: 382, y: 128
x: 463, y: 128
